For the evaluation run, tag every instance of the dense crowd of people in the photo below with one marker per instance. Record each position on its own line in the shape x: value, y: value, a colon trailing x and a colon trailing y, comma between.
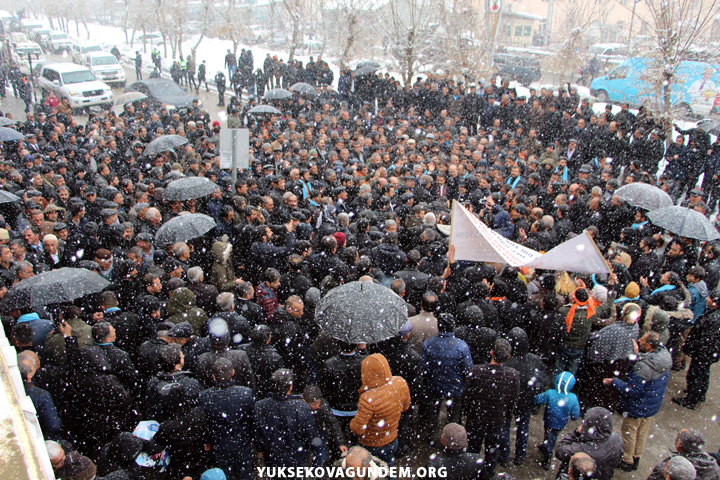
x: 215, y: 340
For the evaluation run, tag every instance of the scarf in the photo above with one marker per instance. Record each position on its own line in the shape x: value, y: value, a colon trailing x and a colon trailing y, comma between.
x: 28, y: 317
x: 515, y: 183
x: 564, y: 174
x: 664, y: 288
x: 626, y: 299
x: 591, y: 303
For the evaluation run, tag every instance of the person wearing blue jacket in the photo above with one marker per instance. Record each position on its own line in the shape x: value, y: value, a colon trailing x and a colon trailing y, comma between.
x: 562, y: 406
x: 446, y: 361
x: 641, y: 396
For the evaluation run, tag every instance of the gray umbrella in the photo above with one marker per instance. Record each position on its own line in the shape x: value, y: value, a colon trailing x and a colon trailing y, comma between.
x: 189, y: 187
x: 10, y: 135
x: 305, y: 89
x: 57, y: 286
x: 368, y: 64
x: 4, y: 121
x: 365, y: 70
x: 164, y: 143
x: 7, y: 197
x: 276, y: 94
x: 184, y: 228
x: 265, y: 109
x: 644, y: 195
x: 361, y: 312
x: 684, y: 222
x: 710, y: 126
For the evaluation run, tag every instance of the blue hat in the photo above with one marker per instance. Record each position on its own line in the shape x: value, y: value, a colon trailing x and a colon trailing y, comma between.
x: 213, y: 474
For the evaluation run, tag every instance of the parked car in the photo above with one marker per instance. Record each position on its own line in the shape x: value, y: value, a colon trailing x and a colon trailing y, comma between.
x: 694, y: 93
x: 106, y: 67
x: 59, y: 41
x: 75, y: 82
x: 41, y: 36
x: 524, y: 69
x: 160, y: 91
x: 79, y: 50
x: 25, y: 53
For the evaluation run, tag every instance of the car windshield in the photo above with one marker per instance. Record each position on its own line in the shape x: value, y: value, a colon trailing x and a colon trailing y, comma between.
x: 106, y: 60
x: 166, y: 88
x: 60, y: 36
x: 78, y: 76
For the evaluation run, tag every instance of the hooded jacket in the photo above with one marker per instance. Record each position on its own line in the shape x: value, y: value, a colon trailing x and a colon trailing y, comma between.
x: 561, y: 404
x: 597, y: 440
x: 703, y: 342
x: 657, y: 320
x: 181, y: 308
x: 641, y: 394
x: 383, y: 398
x: 446, y: 362
x: 533, y: 377
x: 698, y: 294
x: 222, y: 273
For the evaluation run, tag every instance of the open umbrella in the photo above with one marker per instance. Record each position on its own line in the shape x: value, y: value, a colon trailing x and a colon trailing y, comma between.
x: 10, y: 135
x: 184, y: 228
x: 361, y: 312
x: 684, y: 222
x: 710, y: 126
x: 7, y: 197
x: 164, y: 143
x: 644, y: 195
x: 57, y: 286
x: 129, y: 97
x: 276, y: 94
x: 370, y: 63
x: 4, y: 122
x: 265, y: 109
x: 305, y: 89
x: 189, y: 187
x: 365, y: 70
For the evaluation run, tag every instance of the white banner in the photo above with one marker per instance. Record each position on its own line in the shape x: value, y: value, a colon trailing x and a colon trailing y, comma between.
x: 475, y: 241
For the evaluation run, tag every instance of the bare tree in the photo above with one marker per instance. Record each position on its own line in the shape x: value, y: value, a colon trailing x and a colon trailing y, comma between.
x: 346, y: 23
x: 231, y: 23
x: 676, y: 25
x: 464, y: 53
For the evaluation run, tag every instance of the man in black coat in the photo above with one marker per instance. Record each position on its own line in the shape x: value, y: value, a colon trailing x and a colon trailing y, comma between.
x: 126, y: 324
x: 220, y: 339
x: 340, y: 378
x: 229, y: 410
x: 244, y: 305
x: 491, y: 394
x: 459, y: 465
x: 285, y: 433
x: 264, y: 359
x: 172, y: 361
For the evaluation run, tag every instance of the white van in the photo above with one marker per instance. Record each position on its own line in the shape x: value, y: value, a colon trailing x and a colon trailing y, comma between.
x: 75, y: 82
x: 106, y: 67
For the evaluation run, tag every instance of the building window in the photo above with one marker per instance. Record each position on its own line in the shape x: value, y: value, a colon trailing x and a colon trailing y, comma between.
x: 508, y: 30
x: 518, y: 30
x: 528, y: 30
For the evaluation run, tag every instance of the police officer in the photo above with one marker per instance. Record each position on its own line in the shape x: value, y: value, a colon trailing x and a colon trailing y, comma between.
x: 221, y: 85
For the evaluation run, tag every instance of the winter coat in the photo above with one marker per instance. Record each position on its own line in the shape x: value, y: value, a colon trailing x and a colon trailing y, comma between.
x: 698, y: 294
x: 126, y: 329
x: 222, y: 273
x: 185, y: 434
x: 533, y: 377
x: 156, y: 405
x: 264, y: 360
x: 579, y: 333
x: 561, y: 404
x: 148, y: 358
x: 641, y: 394
x: 54, y: 351
x: 41, y: 328
x: 50, y: 422
x: 252, y: 312
x: 181, y: 308
x: 267, y: 298
x: 424, y: 327
x: 597, y: 440
x: 388, y: 258
x: 706, y: 467
x: 241, y: 364
x: 383, y: 398
x: 285, y: 431
x: 230, y: 412
x: 205, y: 295
x: 340, y: 380
x: 703, y: 342
x: 238, y: 326
x: 491, y: 393
x: 328, y: 425
x: 458, y: 464
x: 446, y: 362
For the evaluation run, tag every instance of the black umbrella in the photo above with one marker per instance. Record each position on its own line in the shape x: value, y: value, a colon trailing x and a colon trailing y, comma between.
x: 710, y: 126
x: 305, y: 89
x: 164, y: 143
x: 184, y: 228
x: 361, y: 312
x: 10, y: 135
x: 189, y: 187
x: 265, y: 109
x: 4, y: 122
x: 276, y: 94
x: 57, y: 286
x: 644, y: 195
x: 7, y: 197
x: 368, y: 64
x: 684, y: 222
x: 365, y: 70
